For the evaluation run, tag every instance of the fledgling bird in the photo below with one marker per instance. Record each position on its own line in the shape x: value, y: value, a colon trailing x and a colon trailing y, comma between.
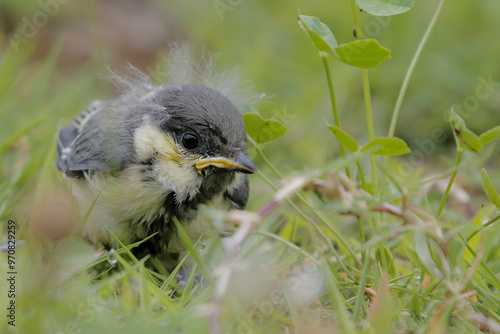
x: 154, y: 153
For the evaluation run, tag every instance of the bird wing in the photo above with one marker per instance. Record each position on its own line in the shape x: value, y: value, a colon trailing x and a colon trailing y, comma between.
x: 81, y: 147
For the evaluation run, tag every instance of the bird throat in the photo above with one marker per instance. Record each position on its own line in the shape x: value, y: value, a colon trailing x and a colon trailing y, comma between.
x: 211, y: 193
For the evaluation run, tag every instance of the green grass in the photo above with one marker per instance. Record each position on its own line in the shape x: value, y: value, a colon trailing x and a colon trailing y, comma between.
x: 415, y: 252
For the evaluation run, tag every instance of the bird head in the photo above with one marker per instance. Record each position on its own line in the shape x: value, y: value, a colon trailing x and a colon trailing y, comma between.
x: 200, y: 141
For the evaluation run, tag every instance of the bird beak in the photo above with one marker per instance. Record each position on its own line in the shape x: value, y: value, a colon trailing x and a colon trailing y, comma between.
x: 240, y: 163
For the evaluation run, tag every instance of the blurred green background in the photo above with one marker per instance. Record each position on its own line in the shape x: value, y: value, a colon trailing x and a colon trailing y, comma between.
x: 55, y: 56
x: 59, y: 51
x: 81, y: 39
x: 262, y: 38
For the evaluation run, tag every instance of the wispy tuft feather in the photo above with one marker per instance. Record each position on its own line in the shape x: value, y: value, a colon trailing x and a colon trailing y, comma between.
x: 182, y: 68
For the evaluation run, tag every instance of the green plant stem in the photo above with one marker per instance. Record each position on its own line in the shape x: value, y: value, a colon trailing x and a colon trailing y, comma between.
x: 490, y: 273
x: 409, y: 71
x: 485, y: 225
x: 297, y: 209
x: 361, y: 176
x: 355, y: 16
x: 361, y: 237
x: 452, y: 179
x: 368, y: 103
x: 312, y: 222
x: 337, y: 234
x: 361, y: 289
x: 333, y: 99
x: 335, y: 109
x: 371, y: 130
x: 336, y: 298
x: 371, y: 136
x: 383, y: 259
x: 266, y: 161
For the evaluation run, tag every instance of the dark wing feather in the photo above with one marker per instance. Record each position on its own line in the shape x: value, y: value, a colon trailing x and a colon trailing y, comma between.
x: 66, y: 137
x: 81, y: 146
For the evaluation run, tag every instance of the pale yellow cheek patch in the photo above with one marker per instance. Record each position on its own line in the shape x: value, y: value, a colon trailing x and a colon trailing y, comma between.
x: 179, y: 177
x: 150, y: 140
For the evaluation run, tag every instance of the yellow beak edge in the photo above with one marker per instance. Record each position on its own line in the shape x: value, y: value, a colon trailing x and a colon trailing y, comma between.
x: 242, y: 164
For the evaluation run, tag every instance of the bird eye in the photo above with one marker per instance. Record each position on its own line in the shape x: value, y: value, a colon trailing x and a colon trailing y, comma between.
x: 190, y: 141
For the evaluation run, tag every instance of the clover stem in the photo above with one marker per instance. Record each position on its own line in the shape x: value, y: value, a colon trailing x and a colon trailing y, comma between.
x: 371, y: 130
x: 368, y: 103
x: 335, y: 109
x: 409, y: 71
x: 267, y: 162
